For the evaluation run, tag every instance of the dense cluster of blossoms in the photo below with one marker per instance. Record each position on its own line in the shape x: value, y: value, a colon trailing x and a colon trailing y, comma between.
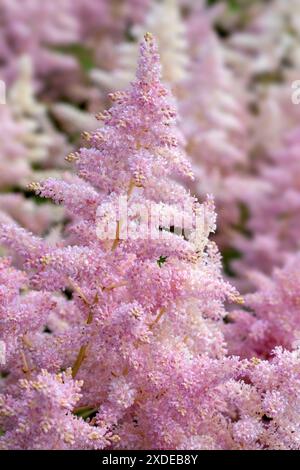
x: 273, y: 101
x: 120, y: 288
x: 32, y: 148
x: 142, y: 330
x: 264, y: 53
x: 34, y: 29
x: 273, y: 314
x: 118, y: 329
x: 216, y: 127
x: 214, y: 109
x: 44, y: 145
x: 270, y: 42
x: 13, y: 167
x: 274, y: 211
x: 54, y: 40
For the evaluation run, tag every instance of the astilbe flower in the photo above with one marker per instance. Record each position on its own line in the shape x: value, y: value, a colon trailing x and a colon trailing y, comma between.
x: 94, y: 16
x: 30, y: 142
x: 275, y: 106
x: 56, y: 42
x: 13, y: 166
x: 215, y: 112
x: 142, y: 330
x: 270, y: 43
x: 48, y: 422
x: 232, y: 17
x: 72, y: 120
x: 267, y: 54
x: 99, y: 17
x: 136, y: 10
x: 20, y: 312
x: 45, y: 146
x: 216, y: 125
x: 36, y: 218
x: 36, y: 29
x: 274, y: 211
x: 272, y: 317
x: 264, y: 403
x: 102, y: 24
x: 199, y: 19
x: 165, y: 22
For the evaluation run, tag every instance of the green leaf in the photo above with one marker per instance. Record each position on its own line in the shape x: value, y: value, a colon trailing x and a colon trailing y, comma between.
x: 233, y: 5
x: 161, y: 260
x: 229, y: 254
x: 241, y: 225
x: 85, y: 412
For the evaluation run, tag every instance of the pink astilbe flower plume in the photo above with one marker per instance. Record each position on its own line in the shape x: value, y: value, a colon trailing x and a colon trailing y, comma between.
x: 132, y: 309
x: 274, y: 212
x: 264, y: 404
x: 164, y: 20
x: 216, y: 126
x: 36, y: 218
x: 19, y: 309
x: 274, y: 315
x: 270, y: 42
x: 32, y: 146
x: 14, y: 166
x: 143, y: 328
x: 36, y: 28
x: 48, y: 422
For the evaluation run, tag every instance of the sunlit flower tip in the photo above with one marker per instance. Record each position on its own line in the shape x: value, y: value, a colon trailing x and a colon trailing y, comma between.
x: 72, y: 157
x: 45, y: 260
x: 34, y: 186
x: 86, y: 136
x: 102, y: 115
x: 114, y: 439
x: 117, y: 96
x: 148, y: 37
x: 255, y: 361
x: 237, y: 299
